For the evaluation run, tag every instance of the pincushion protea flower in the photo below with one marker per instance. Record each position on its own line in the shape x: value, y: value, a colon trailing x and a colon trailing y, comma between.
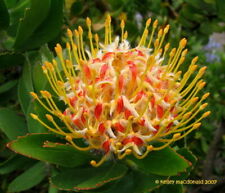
x: 121, y: 100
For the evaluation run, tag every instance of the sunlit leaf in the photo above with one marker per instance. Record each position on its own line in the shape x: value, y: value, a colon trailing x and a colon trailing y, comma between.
x: 165, y: 162
x: 88, y: 178
x: 32, y: 146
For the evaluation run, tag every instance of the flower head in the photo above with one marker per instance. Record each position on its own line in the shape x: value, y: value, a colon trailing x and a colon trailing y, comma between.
x: 121, y: 100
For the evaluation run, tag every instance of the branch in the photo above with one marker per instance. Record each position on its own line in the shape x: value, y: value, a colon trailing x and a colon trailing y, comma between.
x: 210, y: 158
x: 208, y: 164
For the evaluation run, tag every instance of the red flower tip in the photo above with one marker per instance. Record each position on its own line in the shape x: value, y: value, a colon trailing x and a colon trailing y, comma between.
x: 98, y: 110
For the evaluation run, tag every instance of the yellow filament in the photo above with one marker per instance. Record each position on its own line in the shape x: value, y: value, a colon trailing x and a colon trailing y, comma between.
x: 186, y: 76
x: 65, y: 98
x: 75, y: 53
x: 171, y: 85
x: 42, y: 104
x: 95, y: 164
x: 88, y: 22
x: 80, y: 30
x: 109, y: 29
x: 150, y: 63
x: 58, y: 50
x: 187, y: 127
x: 166, y: 48
x: 148, y: 149
x: 49, y: 75
x: 78, y: 44
x: 127, y: 152
x: 165, y: 145
x: 158, y: 134
x: 153, y: 32
x: 181, y: 61
x: 52, y: 84
x: 194, y: 92
x: 171, y: 56
x: 70, y: 139
x: 106, y: 31
x: 143, y: 38
x: 74, y: 47
x: 196, y: 124
x: 190, y: 86
x: 70, y: 67
x: 156, y: 45
x: 183, y: 122
x: 145, y: 107
x: 186, y: 133
x: 177, y: 55
x: 48, y: 101
x: 50, y: 118
x: 165, y: 31
x: 44, y: 124
x: 54, y: 105
x: 125, y: 35
x: 122, y: 25
x: 69, y: 127
x: 97, y: 43
x: 68, y: 47
x: 182, y: 115
x: 145, y: 33
x: 55, y: 64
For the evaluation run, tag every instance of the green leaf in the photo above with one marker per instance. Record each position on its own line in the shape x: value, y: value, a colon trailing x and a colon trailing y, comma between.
x: 39, y: 78
x: 14, y: 163
x: 50, y: 27
x: 29, y: 178
x: 9, y: 59
x: 4, y: 15
x: 192, y: 14
x: 46, y: 53
x: 208, y: 27
x: 52, y: 189
x: 187, y: 154
x: 17, y: 9
x: 32, y: 77
x: 210, y: 1
x: 171, y: 188
x: 8, y: 99
x: 25, y: 84
x: 33, y: 17
x: 77, y: 7
x: 7, y: 86
x: 220, y: 4
x: 12, y: 124
x: 132, y: 182
x: 37, y: 81
x: 146, y: 182
x: 32, y: 145
x: 199, y: 4
x: 184, y: 22
x: 33, y: 125
x: 125, y: 184
x: 88, y: 178
x: 165, y: 162
x: 11, y: 3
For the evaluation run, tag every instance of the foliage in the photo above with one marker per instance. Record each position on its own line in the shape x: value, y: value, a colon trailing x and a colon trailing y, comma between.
x: 30, y: 29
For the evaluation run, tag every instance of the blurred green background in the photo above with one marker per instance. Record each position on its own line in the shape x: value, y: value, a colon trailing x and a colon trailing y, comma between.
x: 30, y: 29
